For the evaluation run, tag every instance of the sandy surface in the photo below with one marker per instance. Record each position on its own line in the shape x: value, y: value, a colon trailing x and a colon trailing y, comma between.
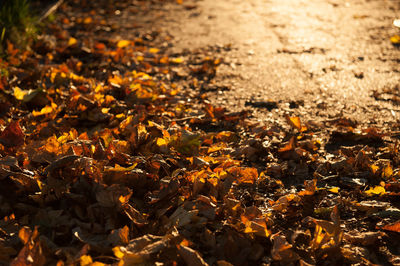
x: 314, y: 58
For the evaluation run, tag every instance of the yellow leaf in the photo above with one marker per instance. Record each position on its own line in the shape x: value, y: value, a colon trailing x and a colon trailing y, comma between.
x: 120, y: 116
x: 334, y: 190
x: 118, y: 168
x: 319, y: 236
x: 161, y: 142
x: 118, y: 252
x: 115, y: 79
x: 72, y: 41
x: 377, y: 190
x: 395, y: 39
x: 123, y: 43
x: 141, y: 129
x: 177, y: 60
x: 216, y: 147
x: 19, y: 94
x: 85, y: 260
x: 45, y: 110
x: 105, y: 110
x: 153, y: 50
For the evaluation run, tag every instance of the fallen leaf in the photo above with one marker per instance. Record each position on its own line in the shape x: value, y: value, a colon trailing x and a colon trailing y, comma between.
x: 282, y: 250
x: 190, y: 256
x: 123, y: 43
x: 327, y: 234
x: 295, y: 122
x: 12, y: 135
x: 364, y: 238
x: 377, y: 190
x: 395, y: 39
x: 32, y: 252
x: 395, y: 227
x: 72, y: 41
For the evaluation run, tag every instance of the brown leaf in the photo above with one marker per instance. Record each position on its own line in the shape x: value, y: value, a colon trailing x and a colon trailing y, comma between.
x: 364, y: 238
x: 191, y: 256
x: 282, y: 250
x: 12, y: 135
x: 32, y: 252
x: 327, y: 234
x: 142, y: 249
x: 119, y: 236
x: 310, y: 188
x: 6, y: 253
x: 135, y: 216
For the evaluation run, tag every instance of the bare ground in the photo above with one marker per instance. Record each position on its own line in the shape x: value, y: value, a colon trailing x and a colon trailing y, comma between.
x: 316, y: 59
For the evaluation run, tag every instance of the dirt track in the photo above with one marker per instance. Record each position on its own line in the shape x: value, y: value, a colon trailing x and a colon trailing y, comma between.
x: 317, y: 59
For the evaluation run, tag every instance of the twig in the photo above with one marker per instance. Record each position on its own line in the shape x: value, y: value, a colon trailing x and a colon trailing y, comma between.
x: 186, y: 118
x: 50, y: 10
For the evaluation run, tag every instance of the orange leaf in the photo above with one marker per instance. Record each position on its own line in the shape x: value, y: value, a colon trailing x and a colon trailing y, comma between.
x: 88, y: 20
x: 289, y: 146
x: 246, y: 175
x: 24, y: 234
x: 296, y: 123
x: 395, y: 227
x: 100, y: 46
x: 310, y: 188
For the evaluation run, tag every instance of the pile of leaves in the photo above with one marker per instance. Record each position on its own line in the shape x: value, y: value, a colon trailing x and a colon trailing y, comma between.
x: 105, y: 159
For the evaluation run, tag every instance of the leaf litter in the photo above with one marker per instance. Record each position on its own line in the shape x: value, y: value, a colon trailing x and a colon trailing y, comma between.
x: 112, y: 154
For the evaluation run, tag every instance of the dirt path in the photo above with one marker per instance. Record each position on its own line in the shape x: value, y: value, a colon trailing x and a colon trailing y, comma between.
x: 314, y: 58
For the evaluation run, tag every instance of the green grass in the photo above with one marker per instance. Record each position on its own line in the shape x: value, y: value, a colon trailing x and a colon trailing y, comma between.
x: 17, y: 24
